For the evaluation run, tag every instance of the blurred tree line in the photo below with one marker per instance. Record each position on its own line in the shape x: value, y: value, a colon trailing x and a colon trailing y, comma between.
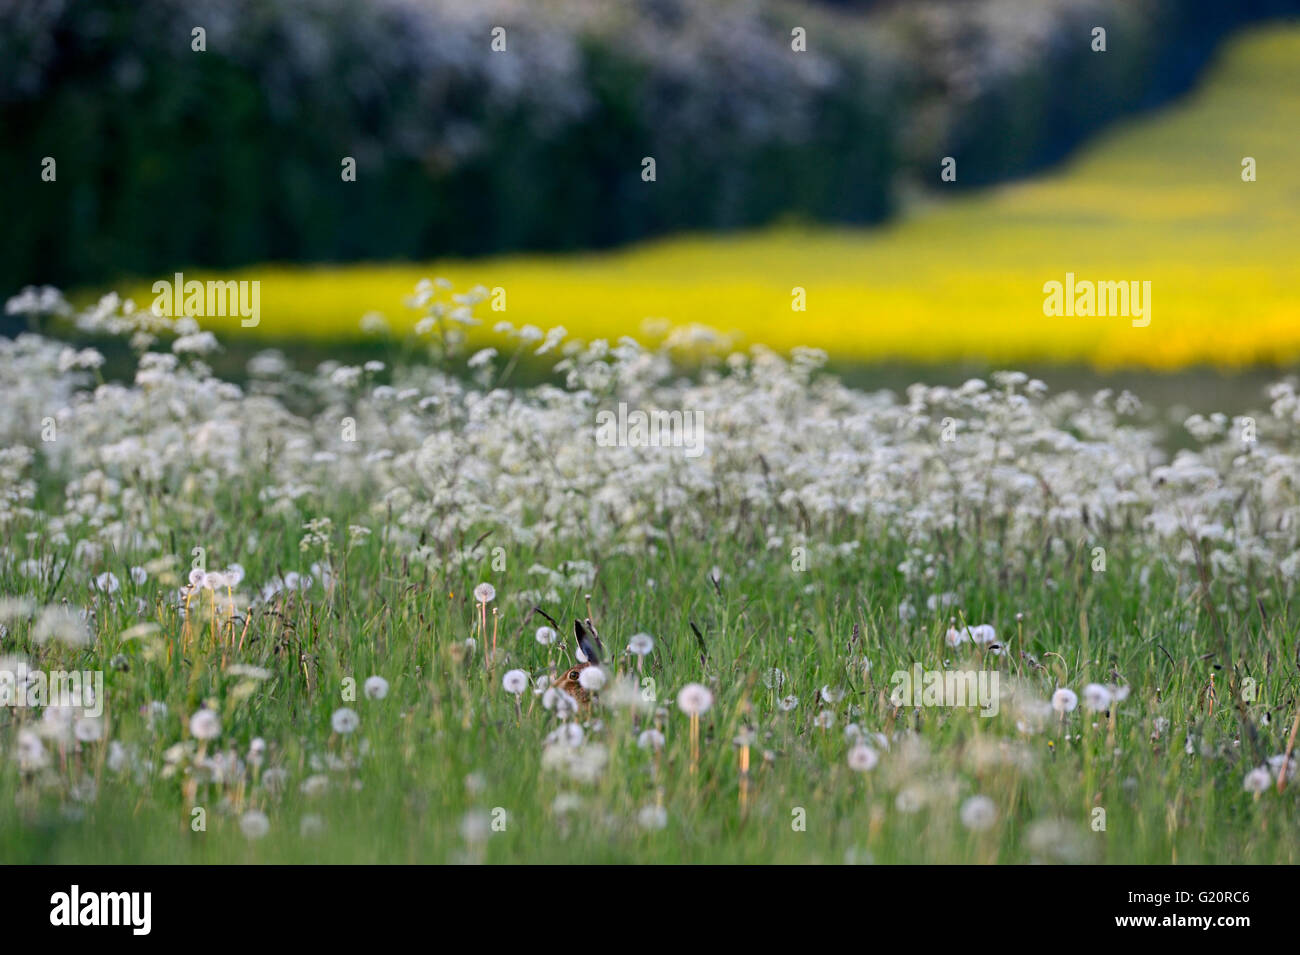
x: 170, y: 157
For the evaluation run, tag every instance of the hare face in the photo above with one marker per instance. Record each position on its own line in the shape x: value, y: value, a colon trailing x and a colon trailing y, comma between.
x: 590, y: 647
x: 568, y: 681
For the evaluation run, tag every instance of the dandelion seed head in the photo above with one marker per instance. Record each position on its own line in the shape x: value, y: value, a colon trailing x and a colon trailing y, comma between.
x: 1064, y: 700
x: 832, y: 694
x: 515, y: 681
x: 641, y: 644
x: 652, y: 817
x: 1258, y: 780
x: 254, y: 824
x: 1096, y: 697
x: 344, y: 721
x: 978, y: 813
x: 694, y: 699
x: 862, y: 758
x: 205, y: 724
x: 60, y: 624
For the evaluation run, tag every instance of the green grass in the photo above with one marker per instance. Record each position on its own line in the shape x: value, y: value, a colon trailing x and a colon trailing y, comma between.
x: 447, y: 718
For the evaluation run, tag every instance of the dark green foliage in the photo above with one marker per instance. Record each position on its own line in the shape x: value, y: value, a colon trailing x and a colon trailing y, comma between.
x: 171, y: 159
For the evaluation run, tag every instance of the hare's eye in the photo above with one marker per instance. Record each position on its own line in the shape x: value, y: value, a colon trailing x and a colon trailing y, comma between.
x: 573, y: 674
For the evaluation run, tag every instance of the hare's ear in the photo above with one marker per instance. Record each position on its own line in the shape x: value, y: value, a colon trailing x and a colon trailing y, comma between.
x: 585, y: 645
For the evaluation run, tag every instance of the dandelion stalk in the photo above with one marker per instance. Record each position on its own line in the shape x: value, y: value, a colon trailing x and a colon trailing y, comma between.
x: 744, y: 779
x: 248, y: 618
x: 1290, y: 745
x: 230, y: 597
x: 695, y: 741
x: 185, y: 630
x: 694, y: 699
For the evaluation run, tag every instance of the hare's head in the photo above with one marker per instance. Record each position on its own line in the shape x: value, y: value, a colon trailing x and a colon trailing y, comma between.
x: 588, y: 655
x: 569, y: 682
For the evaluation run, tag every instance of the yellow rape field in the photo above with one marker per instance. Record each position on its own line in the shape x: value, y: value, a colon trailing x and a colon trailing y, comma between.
x: 1160, y: 198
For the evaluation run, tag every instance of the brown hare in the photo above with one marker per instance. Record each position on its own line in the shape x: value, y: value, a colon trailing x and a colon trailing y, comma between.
x: 589, y: 647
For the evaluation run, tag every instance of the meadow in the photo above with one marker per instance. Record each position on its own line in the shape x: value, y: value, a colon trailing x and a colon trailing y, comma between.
x: 331, y: 609
x: 1160, y: 198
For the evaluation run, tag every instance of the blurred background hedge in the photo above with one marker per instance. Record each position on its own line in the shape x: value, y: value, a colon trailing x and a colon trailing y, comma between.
x: 169, y: 158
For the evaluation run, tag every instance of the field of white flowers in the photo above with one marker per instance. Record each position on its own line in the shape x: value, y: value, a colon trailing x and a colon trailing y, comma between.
x: 281, y: 580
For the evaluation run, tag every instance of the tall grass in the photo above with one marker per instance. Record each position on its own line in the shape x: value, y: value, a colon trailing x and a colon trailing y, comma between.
x: 444, y: 746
